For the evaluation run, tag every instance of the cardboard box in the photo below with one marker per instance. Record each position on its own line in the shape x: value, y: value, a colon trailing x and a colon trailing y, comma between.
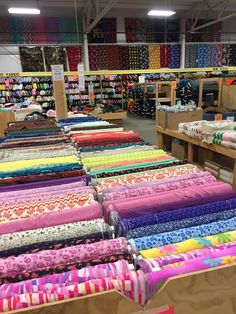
x: 179, y: 151
x: 171, y: 120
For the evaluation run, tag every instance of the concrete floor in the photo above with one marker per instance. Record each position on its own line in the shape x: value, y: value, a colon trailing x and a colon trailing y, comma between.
x: 145, y: 127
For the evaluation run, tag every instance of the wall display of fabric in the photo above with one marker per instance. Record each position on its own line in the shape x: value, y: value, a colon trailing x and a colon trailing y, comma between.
x: 165, y: 56
x: 74, y: 55
x: 191, y: 57
x: 232, y: 55
x: 54, y: 55
x: 154, y: 56
x: 174, y: 56
x: 104, y: 31
x: 40, y: 30
x: 143, y: 57
x: 124, y: 57
x: 226, y: 55
x: 134, y: 57
x: 211, y: 33
x: 31, y: 59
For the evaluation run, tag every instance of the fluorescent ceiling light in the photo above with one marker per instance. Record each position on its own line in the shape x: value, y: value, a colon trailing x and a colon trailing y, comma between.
x: 161, y: 13
x: 23, y: 11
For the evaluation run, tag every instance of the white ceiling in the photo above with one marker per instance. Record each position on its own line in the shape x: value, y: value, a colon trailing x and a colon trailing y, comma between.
x: 127, y: 8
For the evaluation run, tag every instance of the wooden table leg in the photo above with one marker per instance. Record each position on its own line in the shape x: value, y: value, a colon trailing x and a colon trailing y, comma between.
x: 160, y: 140
x: 234, y: 175
x: 190, y: 152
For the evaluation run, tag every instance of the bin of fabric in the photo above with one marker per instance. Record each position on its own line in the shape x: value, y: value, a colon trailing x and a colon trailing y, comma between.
x: 154, y: 56
x: 190, y: 244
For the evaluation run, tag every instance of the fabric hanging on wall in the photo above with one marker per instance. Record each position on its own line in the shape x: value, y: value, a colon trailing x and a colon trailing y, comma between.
x: 110, y: 30
x: 16, y: 29
x: 54, y: 55
x: 202, y: 53
x: 130, y: 30
x: 93, y: 58
x: 31, y: 59
x: 165, y: 56
x: 114, y: 58
x: 28, y: 30
x: 150, y: 31
x: 226, y: 55
x: 141, y: 29
x: 191, y: 58
x: 103, y: 57
x: 232, y: 55
x: 52, y: 26
x: 5, y: 35
x: 74, y: 54
x: 218, y: 55
x: 143, y: 57
x: 133, y: 57
x: 154, y: 56
x: 124, y: 57
x: 175, y: 56
x: 40, y: 26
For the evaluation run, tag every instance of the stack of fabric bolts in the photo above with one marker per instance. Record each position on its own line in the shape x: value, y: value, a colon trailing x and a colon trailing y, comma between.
x: 56, y: 241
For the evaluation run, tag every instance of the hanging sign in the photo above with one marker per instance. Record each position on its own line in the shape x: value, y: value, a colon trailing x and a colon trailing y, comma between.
x: 81, y: 77
x: 174, y: 85
x: 106, y: 75
x: 57, y: 72
x: 218, y: 117
x: 141, y: 79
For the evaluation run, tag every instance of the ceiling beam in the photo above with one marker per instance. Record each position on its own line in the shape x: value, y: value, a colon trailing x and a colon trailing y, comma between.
x: 103, y: 12
x: 227, y: 17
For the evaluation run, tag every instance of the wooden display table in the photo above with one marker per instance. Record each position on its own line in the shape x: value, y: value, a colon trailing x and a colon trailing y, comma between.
x: 161, y: 133
x: 113, y: 117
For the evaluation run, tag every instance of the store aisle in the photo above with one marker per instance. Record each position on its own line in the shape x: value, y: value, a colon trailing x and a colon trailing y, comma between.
x: 146, y: 127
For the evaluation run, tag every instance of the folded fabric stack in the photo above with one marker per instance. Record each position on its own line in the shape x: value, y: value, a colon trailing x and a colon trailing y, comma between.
x: 210, y: 131
x: 225, y: 138
x: 212, y: 167
x: 226, y: 175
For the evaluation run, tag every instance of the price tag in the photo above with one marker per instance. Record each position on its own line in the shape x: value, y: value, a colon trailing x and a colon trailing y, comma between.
x: 141, y: 79
x: 91, y: 97
x: 75, y: 77
x: 106, y: 75
x: 57, y: 72
x: 218, y: 117
x: 174, y: 85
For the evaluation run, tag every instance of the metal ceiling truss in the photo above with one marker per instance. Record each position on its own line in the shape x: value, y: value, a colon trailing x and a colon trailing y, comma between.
x: 93, y: 13
x: 216, y: 10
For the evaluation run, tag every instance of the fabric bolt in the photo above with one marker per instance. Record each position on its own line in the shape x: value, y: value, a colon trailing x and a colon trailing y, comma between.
x: 147, y: 265
x: 166, y: 238
x: 139, y: 168
x: 71, y: 255
x: 170, y: 200
x: 127, y: 180
x: 127, y: 225
x: 154, y: 56
x: 132, y: 285
x: 190, y: 244
x: 55, y: 204
x: 88, y: 212
x: 217, y: 259
x: 180, y: 224
x: 56, y: 244
x: 60, y: 232
x: 48, y: 282
x: 158, y: 188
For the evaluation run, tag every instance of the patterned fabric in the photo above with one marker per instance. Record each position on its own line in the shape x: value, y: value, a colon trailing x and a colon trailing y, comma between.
x: 158, y: 187
x: 165, y: 56
x: 127, y: 180
x: 148, y: 265
x: 31, y: 59
x: 77, y: 229
x: 126, y: 225
x: 175, y: 56
x: 180, y: 224
x: 214, y: 260
x: 126, y: 284
x: 154, y: 56
x: 166, y: 238
x: 88, y: 212
x: 11, y: 266
x: 54, y: 281
x: 190, y: 244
